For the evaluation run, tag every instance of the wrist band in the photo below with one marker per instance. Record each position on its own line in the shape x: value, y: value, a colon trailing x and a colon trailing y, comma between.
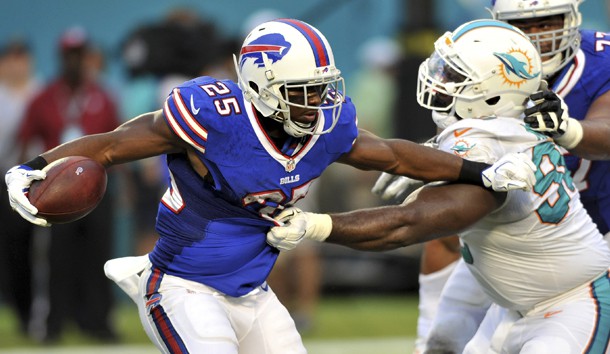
x: 572, y: 136
x: 37, y: 163
x: 471, y: 172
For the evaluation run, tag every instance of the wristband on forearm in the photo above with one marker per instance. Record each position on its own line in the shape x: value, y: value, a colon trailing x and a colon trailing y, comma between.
x: 572, y: 136
x: 37, y: 163
x: 471, y: 172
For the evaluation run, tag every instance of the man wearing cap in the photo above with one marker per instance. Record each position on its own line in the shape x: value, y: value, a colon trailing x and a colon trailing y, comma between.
x: 17, y: 86
x: 70, y: 106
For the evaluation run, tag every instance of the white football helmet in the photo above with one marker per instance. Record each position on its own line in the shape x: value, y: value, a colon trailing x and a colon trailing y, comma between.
x: 484, y: 68
x: 557, y: 47
x: 287, y: 54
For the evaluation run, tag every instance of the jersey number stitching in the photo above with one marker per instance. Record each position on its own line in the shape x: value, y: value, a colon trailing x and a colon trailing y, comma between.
x: 553, y: 183
x: 225, y: 106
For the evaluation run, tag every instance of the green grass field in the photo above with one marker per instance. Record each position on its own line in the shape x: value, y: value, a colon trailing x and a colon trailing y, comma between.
x: 353, y: 323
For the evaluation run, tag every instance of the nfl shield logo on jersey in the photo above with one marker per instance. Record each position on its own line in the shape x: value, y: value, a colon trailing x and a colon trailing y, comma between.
x: 290, y: 165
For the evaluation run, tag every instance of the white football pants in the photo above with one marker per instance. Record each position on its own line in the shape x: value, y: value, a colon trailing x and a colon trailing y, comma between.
x: 182, y: 316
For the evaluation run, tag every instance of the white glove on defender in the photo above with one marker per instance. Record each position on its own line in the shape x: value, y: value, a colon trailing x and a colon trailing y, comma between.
x: 297, y: 225
x: 18, y: 180
x: 511, y: 171
x: 395, y: 188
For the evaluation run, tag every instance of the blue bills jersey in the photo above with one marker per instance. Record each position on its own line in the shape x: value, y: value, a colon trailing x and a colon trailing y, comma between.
x: 213, y: 229
x: 581, y: 83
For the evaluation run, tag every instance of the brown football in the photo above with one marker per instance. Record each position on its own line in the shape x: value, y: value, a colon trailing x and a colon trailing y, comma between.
x: 74, y: 186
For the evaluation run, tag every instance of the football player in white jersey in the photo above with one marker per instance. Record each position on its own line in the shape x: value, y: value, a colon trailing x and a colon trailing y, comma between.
x: 237, y: 155
x: 536, y: 253
x: 575, y: 64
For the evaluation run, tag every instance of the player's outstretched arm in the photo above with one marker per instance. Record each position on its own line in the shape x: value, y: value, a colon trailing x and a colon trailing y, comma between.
x: 406, y: 158
x: 431, y: 212
x: 144, y: 136
x: 141, y: 137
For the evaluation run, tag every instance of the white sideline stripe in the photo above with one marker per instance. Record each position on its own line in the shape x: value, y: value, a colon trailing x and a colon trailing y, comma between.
x: 319, y: 346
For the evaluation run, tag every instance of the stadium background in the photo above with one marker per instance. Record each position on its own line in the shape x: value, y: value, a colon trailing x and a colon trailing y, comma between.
x: 356, y: 285
x: 346, y: 23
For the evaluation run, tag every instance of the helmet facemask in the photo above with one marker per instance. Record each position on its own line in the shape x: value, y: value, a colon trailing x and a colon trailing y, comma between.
x: 320, y: 95
x: 439, y: 83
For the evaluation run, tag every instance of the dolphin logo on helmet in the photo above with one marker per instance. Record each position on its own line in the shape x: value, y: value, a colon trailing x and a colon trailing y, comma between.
x: 515, y: 66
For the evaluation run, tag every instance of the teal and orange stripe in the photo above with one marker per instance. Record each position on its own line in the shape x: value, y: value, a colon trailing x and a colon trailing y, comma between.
x: 600, y: 292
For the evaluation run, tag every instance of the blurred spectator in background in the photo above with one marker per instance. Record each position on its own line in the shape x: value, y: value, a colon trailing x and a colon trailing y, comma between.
x: 416, y: 37
x: 173, y: 50
x: 94, y: 62
x: 223, y: 66
x: 18, y: 85
x: 411, y: 121
x: 374, y: 85
x: 70, y: 106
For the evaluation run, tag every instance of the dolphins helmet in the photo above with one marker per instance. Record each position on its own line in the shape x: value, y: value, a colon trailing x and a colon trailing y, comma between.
x: 484, y: 68
x: 286, y: 54
x: 557, y: 47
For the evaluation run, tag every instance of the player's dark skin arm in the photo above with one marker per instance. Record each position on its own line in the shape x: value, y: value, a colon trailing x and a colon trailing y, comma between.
x: 402, y: 157
x: 436, y: 211
x: 595, y: 144
x: 144, y: 136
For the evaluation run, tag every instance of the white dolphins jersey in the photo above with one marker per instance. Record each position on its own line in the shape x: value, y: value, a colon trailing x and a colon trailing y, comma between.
x: 538, y: 244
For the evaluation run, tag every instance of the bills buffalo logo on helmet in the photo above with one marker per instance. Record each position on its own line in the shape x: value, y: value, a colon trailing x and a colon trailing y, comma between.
x: 273, y: 45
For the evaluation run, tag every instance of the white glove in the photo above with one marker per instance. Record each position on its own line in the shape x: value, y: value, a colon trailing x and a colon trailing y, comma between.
x: 511, y: 171
x: 549, y: 114
x: 296, y: 225
x: 395, y: 188
x: 18, y: 180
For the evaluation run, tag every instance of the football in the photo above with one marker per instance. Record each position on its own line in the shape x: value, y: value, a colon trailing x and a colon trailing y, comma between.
x: 74, y: 186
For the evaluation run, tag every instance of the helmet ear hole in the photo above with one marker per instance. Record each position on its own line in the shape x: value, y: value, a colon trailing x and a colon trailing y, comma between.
x: 493, y: 101
x: 253, y: 86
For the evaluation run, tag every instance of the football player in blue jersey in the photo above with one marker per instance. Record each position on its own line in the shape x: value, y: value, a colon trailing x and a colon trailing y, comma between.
x: 576, y: 64
x: 238, y: 154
